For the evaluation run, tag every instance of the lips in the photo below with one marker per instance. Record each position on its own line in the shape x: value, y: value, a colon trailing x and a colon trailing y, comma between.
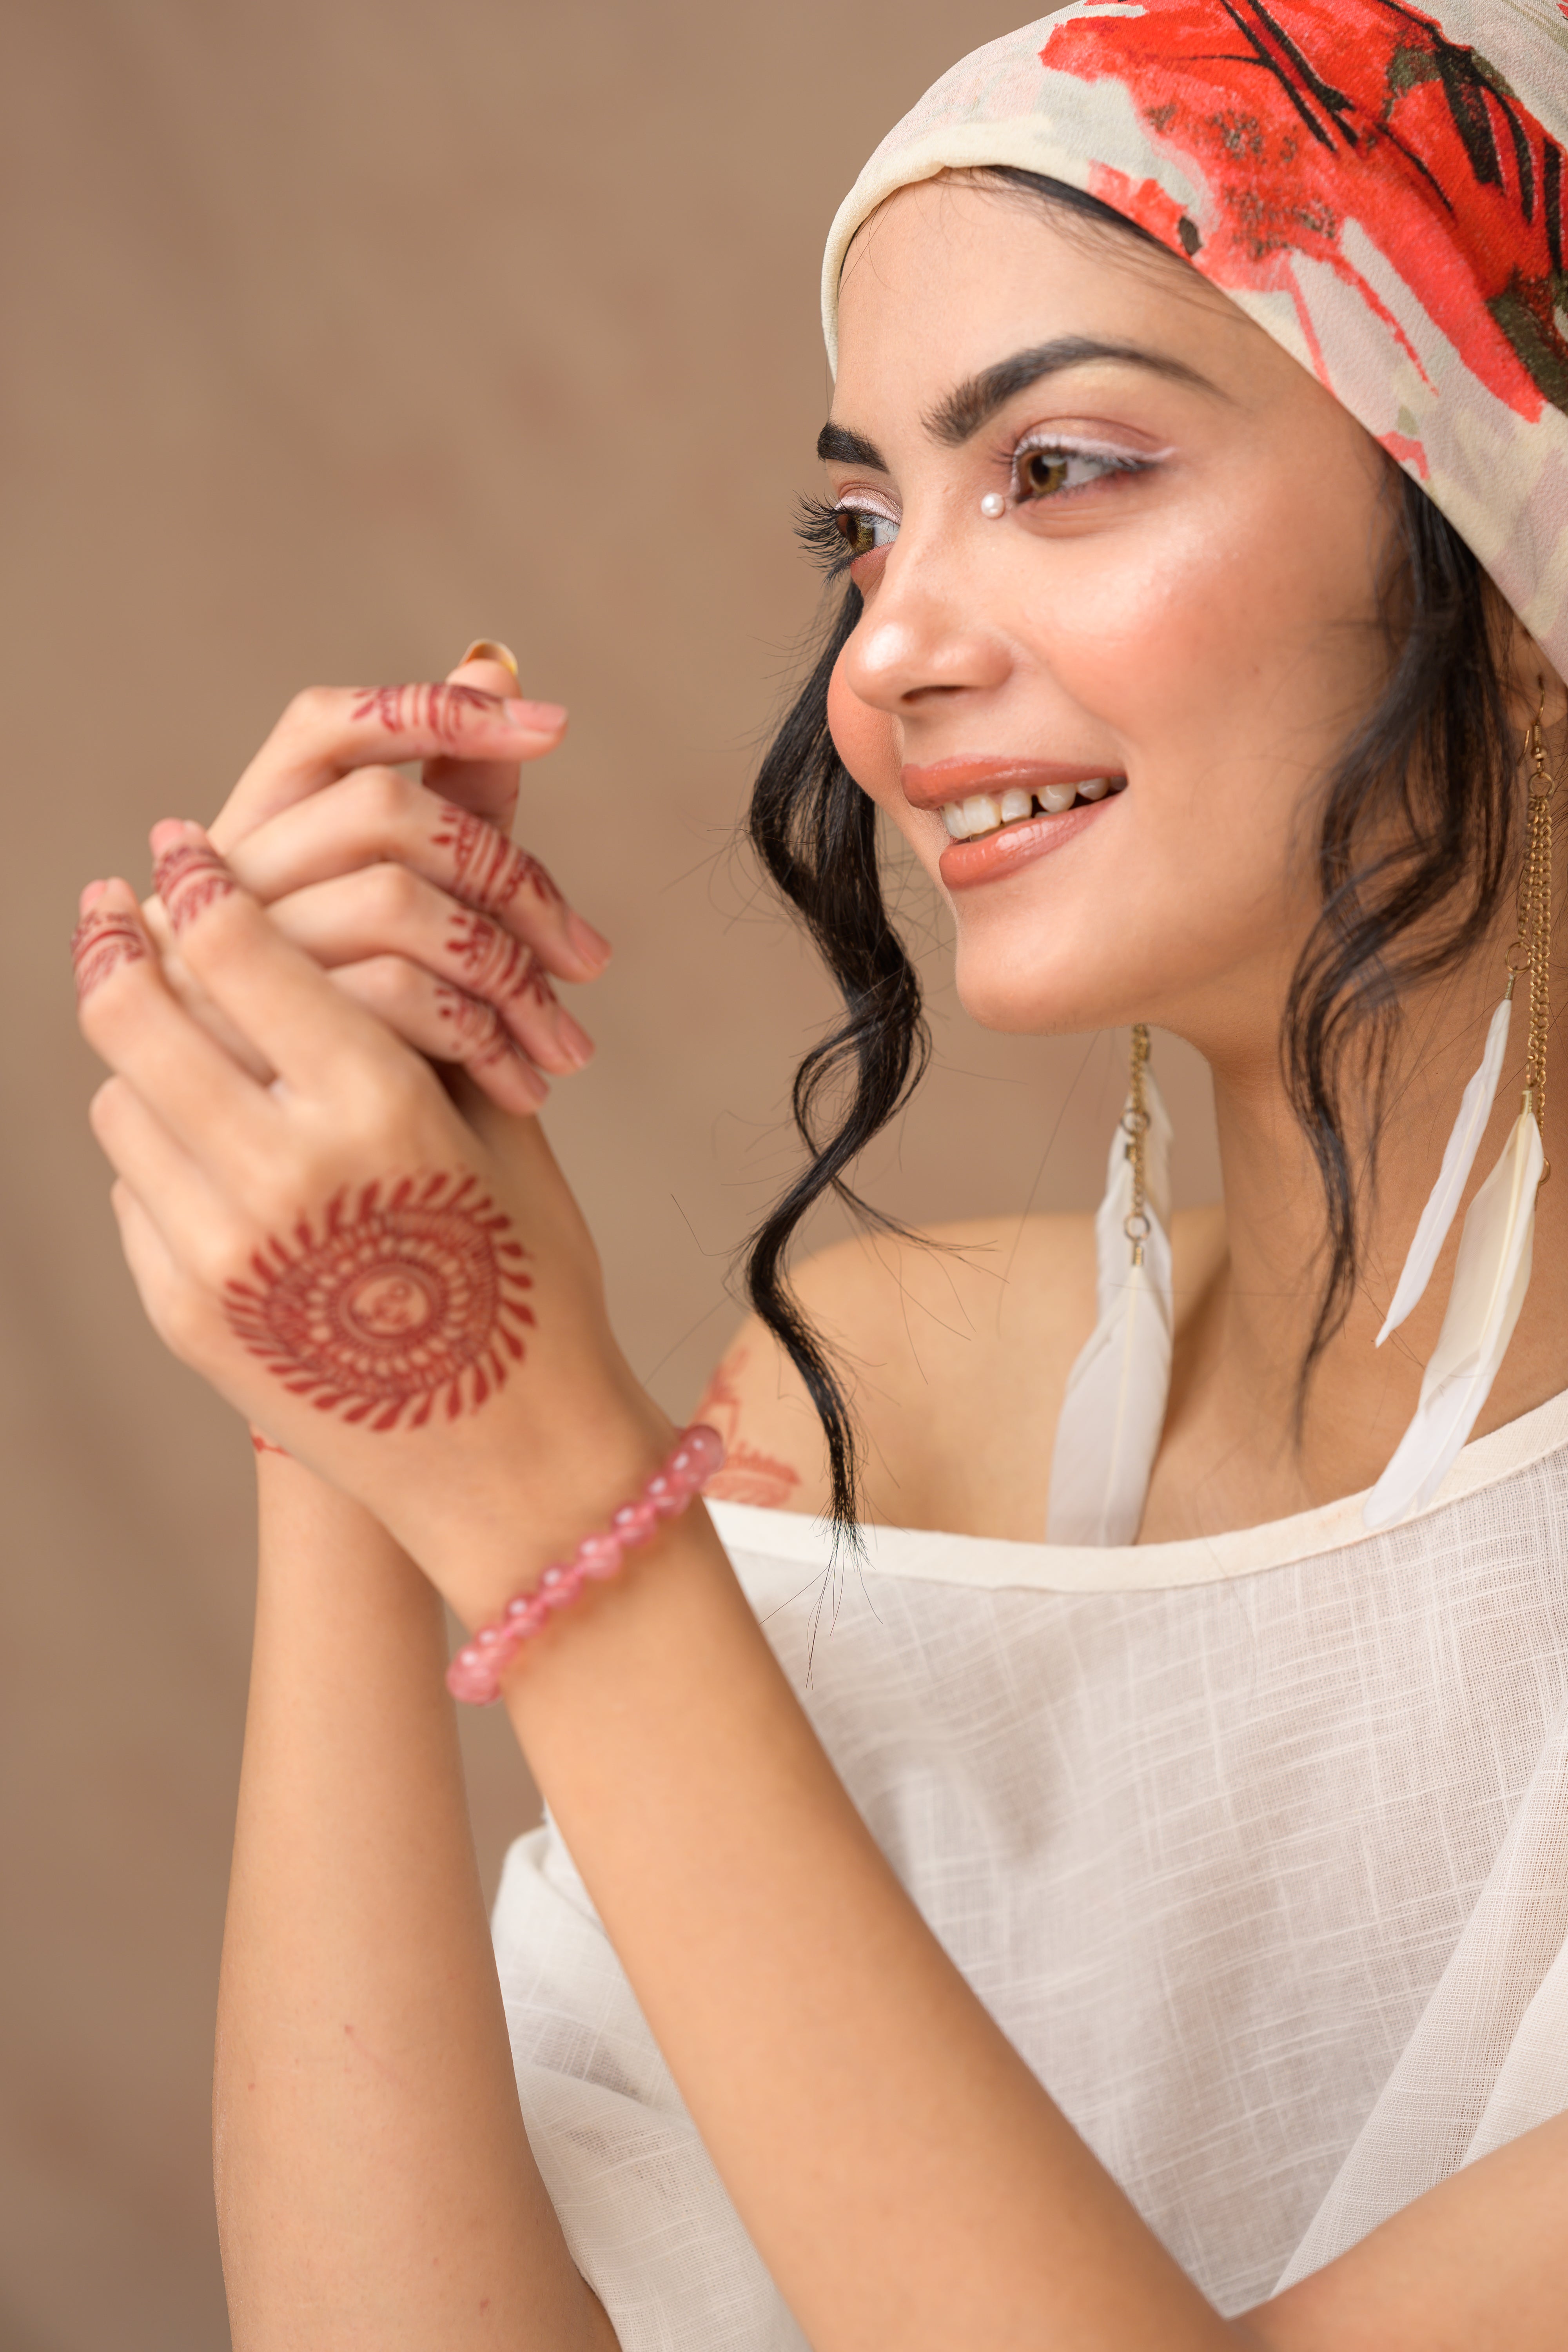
x: 1003, y: 813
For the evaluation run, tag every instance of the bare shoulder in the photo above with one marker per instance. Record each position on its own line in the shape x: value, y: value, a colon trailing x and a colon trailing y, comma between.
x: 953, y: 1348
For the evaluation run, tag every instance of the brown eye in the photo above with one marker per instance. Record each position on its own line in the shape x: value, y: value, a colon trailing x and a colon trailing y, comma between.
x: 857, y: 529
x: 1042, y: 472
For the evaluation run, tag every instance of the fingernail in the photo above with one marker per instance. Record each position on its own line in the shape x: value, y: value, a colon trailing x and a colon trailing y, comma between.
x: 574, y: 1040
x: 490, y: 649
x: 90, y: 895
x: 537, y: 718
x: 588, y: 943
x: 188, y: 875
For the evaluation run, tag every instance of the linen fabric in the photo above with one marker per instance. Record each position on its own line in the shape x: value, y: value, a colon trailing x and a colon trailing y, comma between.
x: 1257, y: 1849
x: 1380, y: 187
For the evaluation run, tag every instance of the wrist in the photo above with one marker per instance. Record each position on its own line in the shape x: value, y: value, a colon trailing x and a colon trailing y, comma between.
x: 483, y: 1539
x: 598, y: 1558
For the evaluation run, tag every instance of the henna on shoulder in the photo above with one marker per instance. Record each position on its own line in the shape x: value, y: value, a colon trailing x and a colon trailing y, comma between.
x: 750, y: 1475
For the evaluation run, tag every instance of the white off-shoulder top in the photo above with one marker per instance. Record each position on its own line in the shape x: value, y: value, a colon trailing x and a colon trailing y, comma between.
x: 1256, y: 1847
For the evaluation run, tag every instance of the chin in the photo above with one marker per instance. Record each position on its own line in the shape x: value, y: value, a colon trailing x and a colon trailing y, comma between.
x: 1035, y: 1002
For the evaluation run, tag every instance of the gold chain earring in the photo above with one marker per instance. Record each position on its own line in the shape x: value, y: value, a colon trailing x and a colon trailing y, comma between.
x: 1135, y: 1127
x: 1492, y: 1271
x: 1533, y: 943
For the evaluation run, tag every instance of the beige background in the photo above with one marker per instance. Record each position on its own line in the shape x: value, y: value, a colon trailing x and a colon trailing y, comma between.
x: 337, y: 333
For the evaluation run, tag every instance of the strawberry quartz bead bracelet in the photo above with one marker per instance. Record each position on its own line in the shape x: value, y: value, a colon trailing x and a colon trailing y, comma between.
x: 475, y: 1672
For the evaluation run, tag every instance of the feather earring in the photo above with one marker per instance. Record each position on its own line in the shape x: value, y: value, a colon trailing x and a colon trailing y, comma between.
x: 1458, y: 1159
x: 1115, y: 1409
x: 1496, y: 1241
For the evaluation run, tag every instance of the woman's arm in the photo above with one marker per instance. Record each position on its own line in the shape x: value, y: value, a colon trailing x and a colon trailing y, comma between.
x: 376, y: 2187
x: 906, y: 2178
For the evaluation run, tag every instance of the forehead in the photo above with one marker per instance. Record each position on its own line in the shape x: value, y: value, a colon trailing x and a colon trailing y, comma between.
x: 950, y: 274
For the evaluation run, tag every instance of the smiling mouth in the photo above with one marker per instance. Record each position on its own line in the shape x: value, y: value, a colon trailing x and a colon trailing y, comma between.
x: 982, y: 813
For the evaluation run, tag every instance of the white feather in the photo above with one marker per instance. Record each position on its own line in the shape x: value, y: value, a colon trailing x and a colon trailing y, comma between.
x: 1489, y: 1282
x: 1115, y: 1409
x: 1458, y: 1159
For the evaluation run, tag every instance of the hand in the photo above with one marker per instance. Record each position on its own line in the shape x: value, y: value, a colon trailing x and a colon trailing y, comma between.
x: 341, y: 1253
x: 409, y: 893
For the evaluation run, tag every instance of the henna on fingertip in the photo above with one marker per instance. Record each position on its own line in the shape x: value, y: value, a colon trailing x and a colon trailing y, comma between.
x: 188, y: 875
x: 490, y: 873
x: 479, y: 1042
x: 451, y: 716
x: 108, y: 935
x: 487, y: 871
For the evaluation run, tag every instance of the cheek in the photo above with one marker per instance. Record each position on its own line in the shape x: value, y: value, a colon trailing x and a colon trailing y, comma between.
x: 865, y: 740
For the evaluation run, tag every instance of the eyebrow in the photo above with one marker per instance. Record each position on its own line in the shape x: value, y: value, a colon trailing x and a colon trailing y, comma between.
x: 973, y: 402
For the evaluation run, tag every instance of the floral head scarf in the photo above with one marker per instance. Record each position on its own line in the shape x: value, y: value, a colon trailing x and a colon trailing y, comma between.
x: 1380, y: 190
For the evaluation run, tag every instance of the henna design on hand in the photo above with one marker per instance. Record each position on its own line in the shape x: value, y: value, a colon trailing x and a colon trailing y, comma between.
x: 495, y: 965
x: 264, y: 1444
x: 488, y: 871
x: 749, y: 1475
x: 479, y: 1037
x: 189, y: 879
x: 100, y: 945
x: 392, y: 1304
x: 444, y: 711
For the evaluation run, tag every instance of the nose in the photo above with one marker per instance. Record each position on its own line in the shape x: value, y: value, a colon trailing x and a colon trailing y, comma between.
x: 924, y: 638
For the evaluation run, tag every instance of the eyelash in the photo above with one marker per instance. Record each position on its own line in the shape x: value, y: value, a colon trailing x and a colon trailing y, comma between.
x: 820, y: 531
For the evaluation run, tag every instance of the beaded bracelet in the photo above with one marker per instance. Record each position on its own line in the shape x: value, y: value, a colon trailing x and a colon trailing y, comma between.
x: 474, y: 1674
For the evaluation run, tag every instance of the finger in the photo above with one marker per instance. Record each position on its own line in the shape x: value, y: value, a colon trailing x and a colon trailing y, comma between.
x: 441, y: 1020
x: 171, y: 1186
x: 329, y: 731
x: 317, y: 1039
x: 385, y: 910
x: 148, y: 1256
x: 378, y: 815
x: 487, y: 787
x: 129, y: 1015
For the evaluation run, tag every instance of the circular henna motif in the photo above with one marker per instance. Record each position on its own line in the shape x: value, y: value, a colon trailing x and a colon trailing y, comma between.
x: 397, y: 1304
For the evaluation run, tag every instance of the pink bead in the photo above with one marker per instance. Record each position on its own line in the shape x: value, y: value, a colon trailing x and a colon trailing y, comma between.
x: 527, y: 1612
x: 669, y: 1496
x: 471, y: 1677
x: 634, y: 1522
x: 598, y: 1556
x: 705, y: 1449
x: 559, y: 1585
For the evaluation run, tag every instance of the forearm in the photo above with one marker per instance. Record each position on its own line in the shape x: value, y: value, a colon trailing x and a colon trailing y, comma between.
x: 905, y: 2177
x: 375, y: 2183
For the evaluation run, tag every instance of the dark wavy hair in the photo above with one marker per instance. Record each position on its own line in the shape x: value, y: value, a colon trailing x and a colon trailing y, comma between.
x: 1414, y: 855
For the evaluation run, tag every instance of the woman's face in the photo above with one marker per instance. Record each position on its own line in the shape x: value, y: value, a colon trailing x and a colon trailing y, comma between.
x: 1177, y: 600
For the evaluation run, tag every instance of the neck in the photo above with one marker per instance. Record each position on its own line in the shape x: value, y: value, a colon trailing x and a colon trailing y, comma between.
x: 1234, y: 1454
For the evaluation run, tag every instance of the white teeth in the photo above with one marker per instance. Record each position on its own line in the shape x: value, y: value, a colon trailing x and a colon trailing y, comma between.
x: 983, y: 812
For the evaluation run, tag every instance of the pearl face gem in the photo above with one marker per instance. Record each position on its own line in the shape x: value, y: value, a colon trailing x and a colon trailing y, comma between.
x: 993, y: 505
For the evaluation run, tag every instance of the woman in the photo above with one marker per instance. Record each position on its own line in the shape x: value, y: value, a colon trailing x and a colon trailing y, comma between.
x: 1153, y: 1936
